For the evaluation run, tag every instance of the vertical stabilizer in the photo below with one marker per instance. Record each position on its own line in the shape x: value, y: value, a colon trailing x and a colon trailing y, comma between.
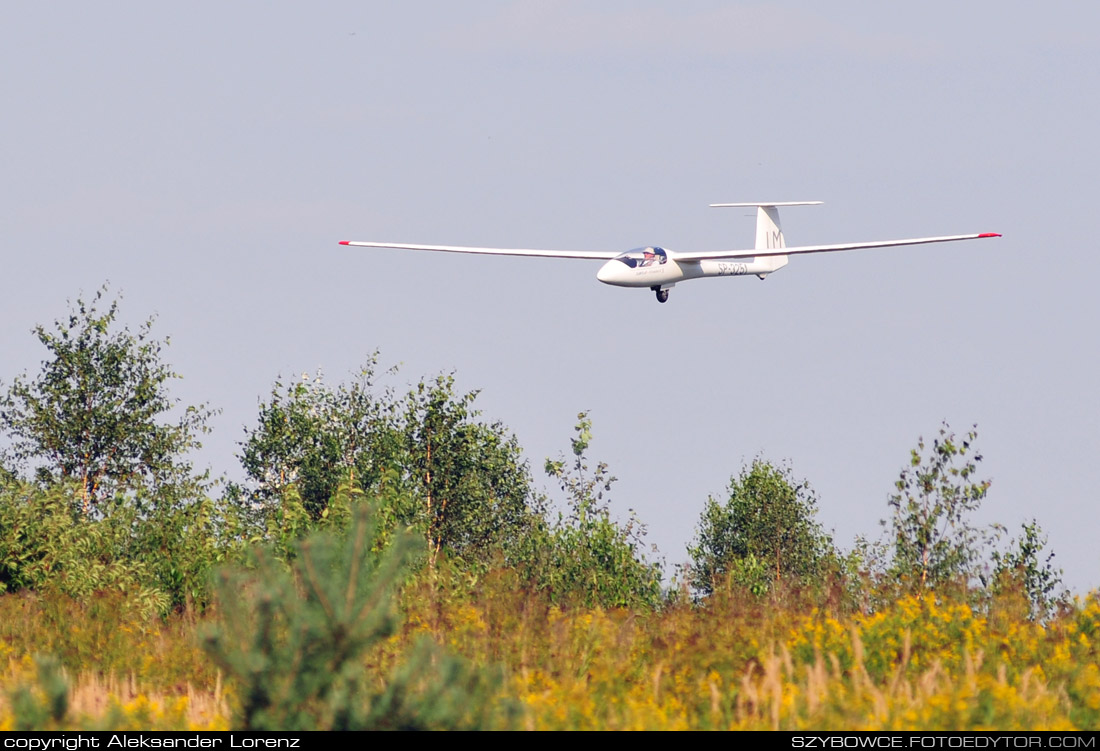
x: 769, y: 232
x: 769, y: 236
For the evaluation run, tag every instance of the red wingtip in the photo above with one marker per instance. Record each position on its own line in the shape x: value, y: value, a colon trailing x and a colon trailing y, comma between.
x: 345, y: 242
x: 989, y: 234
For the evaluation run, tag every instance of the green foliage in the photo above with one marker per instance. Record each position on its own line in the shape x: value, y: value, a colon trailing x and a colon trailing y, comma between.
x: 470, y: 477
x: 933, y: 542
x: 160, y: 558
x: 181, y: 545
x: 583, y: 487
x: 585, y: 557
x: 461, y: 483
x: 1024, y: 567
x: 750, y: 573
x: 764, y: 533
x: 41, y: 705
x: 295, y: 642
x: 433, y: 690
x: 47, y: 543
x: 96, y: 413
x: 116, y: 505
x: 315, y: 437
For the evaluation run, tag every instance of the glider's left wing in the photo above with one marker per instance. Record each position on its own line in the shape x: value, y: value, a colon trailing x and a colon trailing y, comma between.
x: 588, y: 255
x: 798, y: 250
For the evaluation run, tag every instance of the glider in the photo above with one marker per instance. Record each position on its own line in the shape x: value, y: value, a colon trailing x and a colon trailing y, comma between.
x: 660, y: 270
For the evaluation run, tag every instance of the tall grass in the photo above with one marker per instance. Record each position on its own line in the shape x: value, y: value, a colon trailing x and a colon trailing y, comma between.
x: 733, y: 662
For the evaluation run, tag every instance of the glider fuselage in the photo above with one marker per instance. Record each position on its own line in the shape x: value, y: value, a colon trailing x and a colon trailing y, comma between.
x: 655, y: 267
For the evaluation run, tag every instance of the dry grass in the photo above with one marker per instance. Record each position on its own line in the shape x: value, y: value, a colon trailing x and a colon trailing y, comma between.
x: 921, y: 664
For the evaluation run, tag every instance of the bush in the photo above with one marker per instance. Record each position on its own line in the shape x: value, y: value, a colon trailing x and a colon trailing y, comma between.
x: 295, y: 643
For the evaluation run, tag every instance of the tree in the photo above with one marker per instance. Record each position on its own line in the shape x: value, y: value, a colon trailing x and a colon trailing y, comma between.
x: 98, y: 413
x: 1024, y: 567
x: 766, y: 525
x: 585, y: 556
x: 933, y: 540
x: 315, y: 437
x: 470, y: 477
x: 295, y: 640
x: 158, y: 555
x: 460, y: 482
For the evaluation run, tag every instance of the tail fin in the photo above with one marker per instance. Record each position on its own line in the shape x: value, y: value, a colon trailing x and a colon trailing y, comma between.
x: 769, y: 232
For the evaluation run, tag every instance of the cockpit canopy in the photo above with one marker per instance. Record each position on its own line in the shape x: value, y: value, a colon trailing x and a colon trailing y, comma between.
x: 641, y: 257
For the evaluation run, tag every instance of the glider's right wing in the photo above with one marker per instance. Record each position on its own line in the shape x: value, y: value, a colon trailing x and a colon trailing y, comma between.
x: 582, y: 254
x: 798, y: 250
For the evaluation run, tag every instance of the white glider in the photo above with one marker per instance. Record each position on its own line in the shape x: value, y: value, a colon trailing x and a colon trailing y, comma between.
x: 660, y: 270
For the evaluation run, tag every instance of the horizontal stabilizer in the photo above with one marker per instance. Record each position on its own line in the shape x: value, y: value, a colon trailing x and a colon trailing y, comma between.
x: 754, y: 204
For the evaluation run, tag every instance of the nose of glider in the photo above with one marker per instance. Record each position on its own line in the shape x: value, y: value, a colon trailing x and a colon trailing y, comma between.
x: 606, y: 274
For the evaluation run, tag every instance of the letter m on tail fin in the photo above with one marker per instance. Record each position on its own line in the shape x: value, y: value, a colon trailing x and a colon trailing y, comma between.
x: 769, y: 232
x: 769, y: 236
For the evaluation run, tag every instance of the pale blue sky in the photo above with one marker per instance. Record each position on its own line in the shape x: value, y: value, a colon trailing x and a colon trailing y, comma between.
x: 207, y: 158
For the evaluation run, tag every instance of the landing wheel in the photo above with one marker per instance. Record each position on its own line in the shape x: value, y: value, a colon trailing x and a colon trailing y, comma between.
x: 662, y: 295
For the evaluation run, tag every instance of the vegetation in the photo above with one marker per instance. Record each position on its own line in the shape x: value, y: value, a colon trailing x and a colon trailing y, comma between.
x: 96, y: 415
x: 470, y: 481
x: 294, y: 642
x: 1023, y: 568
x: 919, y: 663
x: 584, y: 556
x: 311, y: 437
x: 460, y: 483
x: 764, y: 535
x: 934, y: 542
x: 387, y: 564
